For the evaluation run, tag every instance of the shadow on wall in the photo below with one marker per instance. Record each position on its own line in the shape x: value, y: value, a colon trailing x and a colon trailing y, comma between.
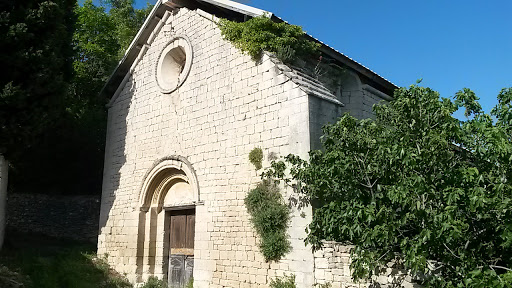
x: 115, y: 159
x: 121, y: 194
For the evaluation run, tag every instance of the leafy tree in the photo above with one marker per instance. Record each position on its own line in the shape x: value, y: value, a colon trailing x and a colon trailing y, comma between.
x: 417, y: 187
x: 34, y: 56
x: 35, y: 50
x: 100, y: 40
x: 96, y: 50
x: 69, y: 153
x: 127, y: 21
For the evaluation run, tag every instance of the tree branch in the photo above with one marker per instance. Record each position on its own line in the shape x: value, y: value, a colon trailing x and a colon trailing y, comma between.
x: 450, y: 251
x: 500, y: 267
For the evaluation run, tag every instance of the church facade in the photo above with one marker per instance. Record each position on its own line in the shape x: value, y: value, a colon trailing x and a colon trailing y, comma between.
x: 186, y: 109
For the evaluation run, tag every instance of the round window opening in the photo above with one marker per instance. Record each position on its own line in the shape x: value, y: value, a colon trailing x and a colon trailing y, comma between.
x: 174, y: 64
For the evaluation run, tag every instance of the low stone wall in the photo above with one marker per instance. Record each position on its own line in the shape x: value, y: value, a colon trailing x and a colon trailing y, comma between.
x: 71, y: 217
x: 332, y: 265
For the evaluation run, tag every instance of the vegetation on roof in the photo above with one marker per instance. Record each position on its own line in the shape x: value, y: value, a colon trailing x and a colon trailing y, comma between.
x: 262, y: 34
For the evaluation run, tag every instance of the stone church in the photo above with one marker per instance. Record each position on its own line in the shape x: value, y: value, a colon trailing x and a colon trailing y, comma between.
x: 186, y: 109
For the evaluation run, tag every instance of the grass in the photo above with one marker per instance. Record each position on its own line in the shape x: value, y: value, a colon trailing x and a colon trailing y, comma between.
x: 35, y: 261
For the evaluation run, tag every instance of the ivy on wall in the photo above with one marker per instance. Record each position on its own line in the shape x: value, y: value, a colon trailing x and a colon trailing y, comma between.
x: 270, y: 215
x: 262, y: 34
x: 270, y: 218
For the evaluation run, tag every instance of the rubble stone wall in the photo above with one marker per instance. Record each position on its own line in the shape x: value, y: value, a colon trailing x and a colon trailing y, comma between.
x: 332, y: 265
x: 70, y: 217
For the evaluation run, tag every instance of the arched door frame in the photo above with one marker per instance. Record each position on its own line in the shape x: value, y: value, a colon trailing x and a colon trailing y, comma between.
x: 163, y: 174
x: 172, y: 166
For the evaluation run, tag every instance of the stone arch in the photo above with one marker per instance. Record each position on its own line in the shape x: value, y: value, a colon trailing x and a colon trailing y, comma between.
x: 350, y: 82
x: 171, y: 183
x: 160, y: 178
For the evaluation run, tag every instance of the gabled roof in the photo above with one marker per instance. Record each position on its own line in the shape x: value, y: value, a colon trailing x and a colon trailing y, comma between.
x: 234, y: 11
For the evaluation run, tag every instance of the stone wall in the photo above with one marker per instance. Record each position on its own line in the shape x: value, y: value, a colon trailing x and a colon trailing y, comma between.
x: 357, y: 97
x: 332, y: 265
x: 228, y: 105
x: 71, y: 217
x: 321, y: 112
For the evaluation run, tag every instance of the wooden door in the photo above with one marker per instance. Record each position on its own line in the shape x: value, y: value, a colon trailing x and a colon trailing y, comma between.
x: 181, y: 243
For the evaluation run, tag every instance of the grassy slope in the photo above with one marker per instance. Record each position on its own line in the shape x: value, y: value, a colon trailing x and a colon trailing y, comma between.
x: 45, y: 262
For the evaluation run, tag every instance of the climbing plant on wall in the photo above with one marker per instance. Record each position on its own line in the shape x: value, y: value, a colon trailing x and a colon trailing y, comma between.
x: 269, y: 214
x: 263, y: 34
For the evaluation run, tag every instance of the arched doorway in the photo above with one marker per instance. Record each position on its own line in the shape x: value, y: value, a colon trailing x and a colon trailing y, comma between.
x: 165, y: 246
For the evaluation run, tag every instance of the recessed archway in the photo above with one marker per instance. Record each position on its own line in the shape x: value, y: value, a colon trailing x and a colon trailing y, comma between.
x: 165, y: 173
x: 170, y: 185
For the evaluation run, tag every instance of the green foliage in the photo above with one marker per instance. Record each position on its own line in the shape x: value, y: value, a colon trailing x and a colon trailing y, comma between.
x: 270, y: 218
x: 35, y: 49
x: 48, y: 263
x: 256, y: 157
x: 97, y: 47
x: 417, y: 186
x: 127, y: 21
x: 283, y: 282
x: 262, y: 34
x: 99, y: 41
x: 154, y: 282
x: 190, y: 283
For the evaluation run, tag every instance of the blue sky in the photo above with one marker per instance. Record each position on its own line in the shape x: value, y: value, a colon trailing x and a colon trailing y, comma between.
x: 449, y: 44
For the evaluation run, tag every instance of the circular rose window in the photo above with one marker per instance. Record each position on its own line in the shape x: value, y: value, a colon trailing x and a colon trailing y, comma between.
x: 174, y: 64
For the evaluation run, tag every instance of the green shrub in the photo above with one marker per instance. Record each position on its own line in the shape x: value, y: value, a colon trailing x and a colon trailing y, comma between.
x: 190, y: 283
x: 154, y: 282
x: 270, y: 218
x: 41, y: 262
x: 283, y: 282
x: 256, y: 157
x: 274, y: 245
x: 262, y: 34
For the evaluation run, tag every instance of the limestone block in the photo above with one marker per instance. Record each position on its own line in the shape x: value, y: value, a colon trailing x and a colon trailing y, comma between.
x: 261, y: 279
